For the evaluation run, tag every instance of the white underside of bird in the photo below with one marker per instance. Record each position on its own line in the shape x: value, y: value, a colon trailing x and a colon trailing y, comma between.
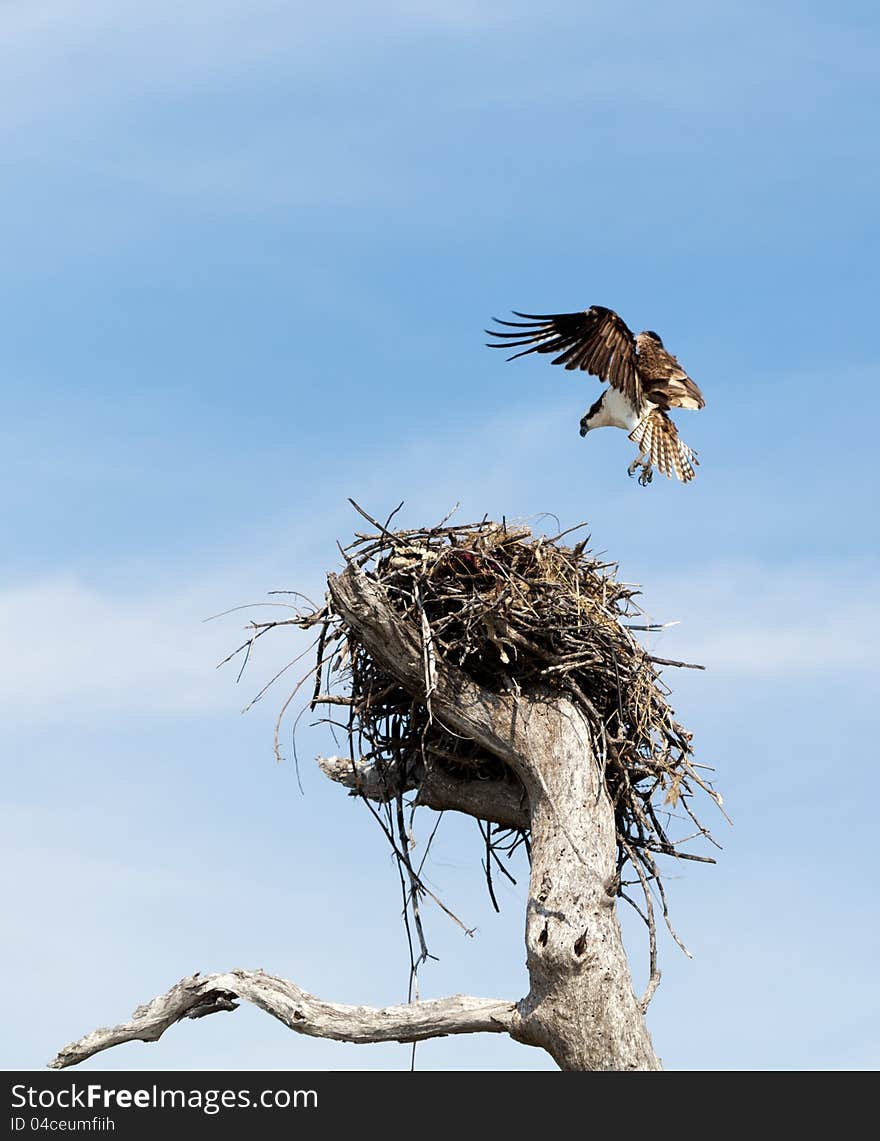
x: 649, y: 429
x: 617, y: 411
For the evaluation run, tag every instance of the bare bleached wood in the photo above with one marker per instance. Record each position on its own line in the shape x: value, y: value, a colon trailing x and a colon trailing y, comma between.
x: 581, y: 1007
x: 501, y: 802
x: 374, y: 781
x: 195, y: 997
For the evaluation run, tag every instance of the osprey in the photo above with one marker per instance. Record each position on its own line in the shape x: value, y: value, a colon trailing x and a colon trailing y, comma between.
x: 644, y: 380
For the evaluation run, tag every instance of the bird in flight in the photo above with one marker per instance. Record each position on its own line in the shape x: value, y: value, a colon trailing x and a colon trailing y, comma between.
x: 644, y: 380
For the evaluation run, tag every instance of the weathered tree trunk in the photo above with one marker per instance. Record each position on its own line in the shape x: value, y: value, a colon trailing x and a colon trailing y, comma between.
x: 580, y: 1007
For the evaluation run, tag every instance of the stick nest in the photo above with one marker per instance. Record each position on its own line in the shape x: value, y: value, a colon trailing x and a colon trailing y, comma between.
x: 518, y: 613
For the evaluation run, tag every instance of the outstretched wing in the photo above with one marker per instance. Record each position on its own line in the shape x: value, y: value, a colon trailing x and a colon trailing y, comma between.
x: 658, y: 439
x: 595, y: 340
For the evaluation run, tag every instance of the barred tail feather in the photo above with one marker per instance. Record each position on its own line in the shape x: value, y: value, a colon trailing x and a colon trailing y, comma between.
x: 657, y: 438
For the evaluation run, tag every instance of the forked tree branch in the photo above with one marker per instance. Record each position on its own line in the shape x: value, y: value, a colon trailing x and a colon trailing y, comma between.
x: 195, y: 997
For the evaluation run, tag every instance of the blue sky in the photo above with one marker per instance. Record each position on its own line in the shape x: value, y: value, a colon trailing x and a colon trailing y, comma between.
x: 249, y: 251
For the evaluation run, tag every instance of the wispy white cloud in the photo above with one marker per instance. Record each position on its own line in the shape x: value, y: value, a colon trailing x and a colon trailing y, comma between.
x: 115, y: 74
x: 780, y: 621
x: 60, y: 54
x: 78, y: 652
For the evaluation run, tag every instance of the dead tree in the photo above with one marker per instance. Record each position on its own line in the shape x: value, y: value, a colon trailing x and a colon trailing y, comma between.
x: 517, y: 696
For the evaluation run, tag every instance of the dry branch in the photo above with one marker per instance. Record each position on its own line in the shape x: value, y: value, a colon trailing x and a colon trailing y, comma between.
x: 196, y: 996
x: 499, y: 802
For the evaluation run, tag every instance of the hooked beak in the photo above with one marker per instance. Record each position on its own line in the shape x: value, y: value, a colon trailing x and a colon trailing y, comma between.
x: 584, y: 428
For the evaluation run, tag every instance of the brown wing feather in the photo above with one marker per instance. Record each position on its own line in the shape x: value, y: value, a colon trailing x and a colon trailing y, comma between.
x: 664, y: 381
x: 673, y: 392
x: 657, y: 438
x: 596, y: 341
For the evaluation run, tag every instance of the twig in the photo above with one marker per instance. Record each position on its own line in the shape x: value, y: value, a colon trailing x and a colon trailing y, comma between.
x: 669, y: 662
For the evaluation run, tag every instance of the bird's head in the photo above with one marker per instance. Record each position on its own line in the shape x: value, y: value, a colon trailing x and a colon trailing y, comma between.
x: 650, y: 333
x: 591, y: 418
